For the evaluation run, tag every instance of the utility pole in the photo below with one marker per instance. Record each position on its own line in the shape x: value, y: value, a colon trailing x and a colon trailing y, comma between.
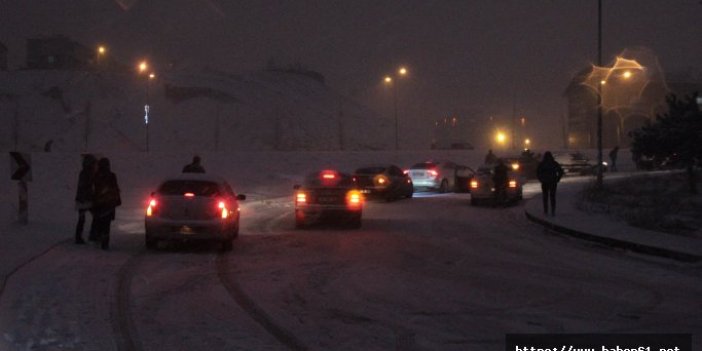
x: 599, y: 96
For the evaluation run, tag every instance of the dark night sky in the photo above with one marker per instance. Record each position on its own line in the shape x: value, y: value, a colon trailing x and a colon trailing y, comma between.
x: 465, y: 56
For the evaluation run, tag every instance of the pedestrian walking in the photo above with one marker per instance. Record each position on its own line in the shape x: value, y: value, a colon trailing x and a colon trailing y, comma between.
x: 613, y: 158
x: 194, y: 167
x: 84, y: 194
x: 107, y: 199
x: 499, y: 180
x: 490, y: 158
x: 549, y: 173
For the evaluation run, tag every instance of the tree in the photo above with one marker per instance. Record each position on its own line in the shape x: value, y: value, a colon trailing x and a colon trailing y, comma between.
x: 675, y: 137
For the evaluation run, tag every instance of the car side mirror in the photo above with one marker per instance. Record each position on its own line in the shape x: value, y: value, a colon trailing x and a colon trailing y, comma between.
x: 296, y: 187
x: 241, y: 197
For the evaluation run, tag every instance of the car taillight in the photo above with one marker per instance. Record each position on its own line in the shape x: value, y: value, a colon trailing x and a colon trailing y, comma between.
x: 433, y: 172
x: 512, y: 183
x: 515, y: 166
x: 473, y: 184
x: 405, y: 171
x: 189, y: 195
x: 300, y: 198
x: 354, y: 198
x: 222, y: 206
x: 151, y: 209
x: 381, y: 180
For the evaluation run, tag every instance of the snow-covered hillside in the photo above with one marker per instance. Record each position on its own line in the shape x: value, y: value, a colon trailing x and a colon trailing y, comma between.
x: 189, y: 111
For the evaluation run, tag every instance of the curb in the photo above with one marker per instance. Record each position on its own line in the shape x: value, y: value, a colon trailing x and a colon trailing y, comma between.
x: 616, y: 243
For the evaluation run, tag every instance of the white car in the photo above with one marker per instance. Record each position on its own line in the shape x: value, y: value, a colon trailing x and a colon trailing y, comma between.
x: 443, y: 176
x: 194, y: 207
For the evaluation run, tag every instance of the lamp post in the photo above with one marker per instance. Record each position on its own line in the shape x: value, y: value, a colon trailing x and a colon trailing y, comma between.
x: 143, y: 68
x: 101, y: 51
x: 598, y: 183
x: 401, y: 72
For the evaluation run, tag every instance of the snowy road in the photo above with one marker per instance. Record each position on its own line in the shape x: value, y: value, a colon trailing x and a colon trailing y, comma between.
x: 429, y: 273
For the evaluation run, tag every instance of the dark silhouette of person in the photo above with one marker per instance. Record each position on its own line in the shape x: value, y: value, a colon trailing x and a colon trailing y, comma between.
x: 549, y: 173
x: 613, y: 158
x: 490, y: 158
x: 84, y: 193
x: 107, y: 199
x: 194, y: 167
x: 499, y: 180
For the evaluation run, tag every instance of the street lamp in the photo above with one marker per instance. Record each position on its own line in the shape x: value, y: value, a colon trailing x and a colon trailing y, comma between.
x: 142, y: 68
x: 101, y: 51
x: 401, y: 72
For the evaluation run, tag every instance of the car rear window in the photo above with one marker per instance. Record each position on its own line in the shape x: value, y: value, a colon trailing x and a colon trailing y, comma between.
x: 424, y: 165
x: 197, y: 187
x: 370, y: 170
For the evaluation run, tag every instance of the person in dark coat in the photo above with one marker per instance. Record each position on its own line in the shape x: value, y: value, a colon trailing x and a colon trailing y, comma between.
x: 549, y: 173
x: 194, y: 167
x: 490, y: 158
x: 107, y: 198
x: 499, y: 180
x: 84, y: 194
x: 613, y: 157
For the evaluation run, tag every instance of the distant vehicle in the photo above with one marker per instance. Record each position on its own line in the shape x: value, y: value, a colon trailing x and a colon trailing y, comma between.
x: 329, y: 194
x: 387, y: 182
x: 441, y: 176
x: 576, y: 162
x: 193, y: 206
x: 483, y: 188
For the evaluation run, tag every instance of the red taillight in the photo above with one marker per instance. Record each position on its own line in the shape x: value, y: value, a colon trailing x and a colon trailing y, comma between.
x: 300, y: 198
x: 474, y: 184
x: 151, y: 208
x: 433, y: 172
x: 189, y: 195
x: 329, y: 175
x: 223, y: 208
x: 512, y: 183
x: 354, y: 198
x: 405, y: 171
x: 381, y: 180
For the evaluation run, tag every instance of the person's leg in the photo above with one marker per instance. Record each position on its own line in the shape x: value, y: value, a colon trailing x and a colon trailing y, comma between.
x: 544, y: 196
x: 94, y: 226
x: 80, y: 226
x: 552, y: 195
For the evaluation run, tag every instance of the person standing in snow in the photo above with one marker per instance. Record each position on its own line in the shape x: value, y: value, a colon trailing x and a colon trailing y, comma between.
x: 84, y: 194
x: 194, y: 167
x: 490, y: 158
x: 107, y: 198
x: 549, y: 172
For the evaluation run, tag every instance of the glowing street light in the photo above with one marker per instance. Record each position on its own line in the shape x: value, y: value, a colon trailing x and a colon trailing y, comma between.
x: 402, y: 72
x: 500, y: 137
x: 626, y: 75
x: 143, y: 66
x: 527, y: 142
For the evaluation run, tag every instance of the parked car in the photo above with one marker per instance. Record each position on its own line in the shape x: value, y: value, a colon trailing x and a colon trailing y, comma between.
x: 387, y: 182
x: 191, y: 207
x: 578, y: 163
x: 328, y: 194
x: 483, y: 188
x: 441, y: 176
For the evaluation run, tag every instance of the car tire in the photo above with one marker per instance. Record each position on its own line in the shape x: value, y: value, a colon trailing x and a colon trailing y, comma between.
x: 410, y: 194
x: 299, y: 221
x: 474, y: 202
x: 443, y: 188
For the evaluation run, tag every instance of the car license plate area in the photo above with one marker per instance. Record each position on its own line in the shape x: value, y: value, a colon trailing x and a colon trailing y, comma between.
x: 328, y: 199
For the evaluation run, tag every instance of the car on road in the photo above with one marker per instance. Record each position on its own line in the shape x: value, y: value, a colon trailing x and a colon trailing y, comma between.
x: 441, y: 176
x: 483, y: 188
x: 328, y: 194
x: 193, y: 207
x: 578, y: 163
x: 387, y: 182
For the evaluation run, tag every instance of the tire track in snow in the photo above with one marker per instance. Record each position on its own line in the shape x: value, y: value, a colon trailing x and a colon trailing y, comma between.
x: 284, y: 336
x: 6, y: 277
x: 125, y: 334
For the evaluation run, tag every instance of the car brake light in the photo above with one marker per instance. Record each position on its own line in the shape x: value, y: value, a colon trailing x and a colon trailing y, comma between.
x: 300, y: 198
x: 189, y: 195
x: 512, y: 183
x: 151, y: 208
x: 474, y: 184
x: 223, y: 207
x: 354, y: 198
x: 433, y: 172
x: 328, y: 174
x: 405, y: 171
x: 381, y: 180
x: 515, y: 166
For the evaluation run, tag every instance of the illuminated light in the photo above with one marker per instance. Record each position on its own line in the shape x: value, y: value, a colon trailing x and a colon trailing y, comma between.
x: 152, y: 75
x: 381, y: 180
x: 328, y: 175
x: 474, y: 184
x: 527, y: 141
x: 402, y: 71
x: 388, y: 79
x: 301, y: 198
x: 405, y: 171
x: 433, y: 172
x: 223, y: 207
x: 354, y: 198
x: 143, y: 66
x: 603, y: 82
x: 627, y: 74
x: 150, y: 209
x: 500, y: 137
x: 515, y: 166
x: 101, y: 50
x: 512, y: 183
x: 189, y: 195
